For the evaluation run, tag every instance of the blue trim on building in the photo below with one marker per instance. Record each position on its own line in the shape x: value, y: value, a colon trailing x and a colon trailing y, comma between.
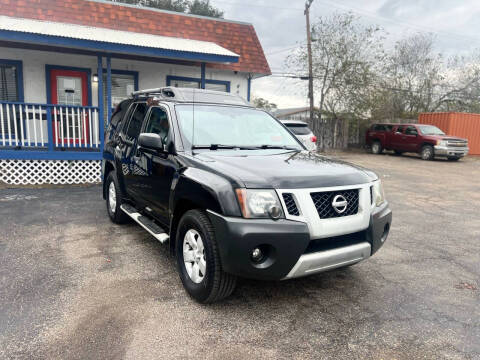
x: 171, y: 78
x: 109, y: 88
x: 249, y: 87
x: 49, y: 155
x: 202, y: 76
x: 49, y: 68
x: 19, y: 65
x: 106, y: 47
x: 101, y: 125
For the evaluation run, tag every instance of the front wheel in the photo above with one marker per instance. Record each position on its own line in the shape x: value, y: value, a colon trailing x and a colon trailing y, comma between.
x: 198, y: 259
x: 427, y: 152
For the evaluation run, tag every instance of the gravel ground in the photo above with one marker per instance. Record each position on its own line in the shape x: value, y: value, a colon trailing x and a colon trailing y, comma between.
x: 75, y: 286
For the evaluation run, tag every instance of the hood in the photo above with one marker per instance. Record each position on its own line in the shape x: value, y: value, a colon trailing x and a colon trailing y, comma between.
x: 443, y: 137
x: 283, y: 170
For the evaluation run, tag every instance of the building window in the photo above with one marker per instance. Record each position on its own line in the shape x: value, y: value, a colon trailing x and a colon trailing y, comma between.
x: 11, y: 89
x: 123, y: 84
x: 10, y: 78
x: 217, y: 85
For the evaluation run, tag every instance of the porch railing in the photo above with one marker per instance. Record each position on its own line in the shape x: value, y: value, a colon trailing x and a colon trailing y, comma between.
x: 28, y: 126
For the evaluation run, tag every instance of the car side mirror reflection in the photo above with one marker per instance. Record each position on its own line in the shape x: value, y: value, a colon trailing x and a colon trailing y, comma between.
x: 151, y: 141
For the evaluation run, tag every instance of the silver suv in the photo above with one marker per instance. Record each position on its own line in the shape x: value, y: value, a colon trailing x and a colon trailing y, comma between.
x: 302, y: 132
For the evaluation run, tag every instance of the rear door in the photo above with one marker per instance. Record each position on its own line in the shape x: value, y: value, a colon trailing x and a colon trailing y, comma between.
x: 127, y: 149
x: 397, y: 139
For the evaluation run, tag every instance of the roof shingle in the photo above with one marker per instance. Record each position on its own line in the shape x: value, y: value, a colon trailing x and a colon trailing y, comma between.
x: 240, y: 38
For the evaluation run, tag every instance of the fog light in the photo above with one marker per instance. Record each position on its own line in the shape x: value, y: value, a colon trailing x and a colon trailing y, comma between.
x: 257, y: 255
x: 275, y: 212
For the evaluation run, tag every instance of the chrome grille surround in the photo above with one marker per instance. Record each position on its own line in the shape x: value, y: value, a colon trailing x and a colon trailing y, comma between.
x: 327, y: 227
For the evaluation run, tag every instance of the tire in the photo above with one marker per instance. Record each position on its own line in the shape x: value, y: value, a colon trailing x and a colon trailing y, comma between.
x: 214, y: 284
x: 398, y: 152
x: 377, y: 148
x: 427, y: 152
x: 453, y: 158
x: 114, y: 212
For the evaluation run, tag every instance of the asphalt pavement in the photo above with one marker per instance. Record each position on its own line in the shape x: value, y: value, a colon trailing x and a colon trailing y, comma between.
x: 73, y: 285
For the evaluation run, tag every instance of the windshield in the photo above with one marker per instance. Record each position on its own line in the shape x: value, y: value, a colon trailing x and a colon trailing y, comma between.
x: 430, y: 130
x: 232, y: 126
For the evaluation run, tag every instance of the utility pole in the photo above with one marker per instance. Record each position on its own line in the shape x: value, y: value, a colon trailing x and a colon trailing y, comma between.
x: 308, y: 3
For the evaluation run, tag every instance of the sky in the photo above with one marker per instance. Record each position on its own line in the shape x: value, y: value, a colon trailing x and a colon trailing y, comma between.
x: 280, y: 26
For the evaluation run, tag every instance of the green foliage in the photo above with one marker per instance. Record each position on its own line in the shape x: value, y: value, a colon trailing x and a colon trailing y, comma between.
x: 195, y: 7
x: 264, y: 104
x: 203, y: 7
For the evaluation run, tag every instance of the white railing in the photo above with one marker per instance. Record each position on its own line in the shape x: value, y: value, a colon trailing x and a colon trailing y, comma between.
x: 49, y: 125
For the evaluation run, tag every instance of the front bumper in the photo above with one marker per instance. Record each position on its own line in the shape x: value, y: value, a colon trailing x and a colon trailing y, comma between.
x: 450, y: 151
x: 289, y: 251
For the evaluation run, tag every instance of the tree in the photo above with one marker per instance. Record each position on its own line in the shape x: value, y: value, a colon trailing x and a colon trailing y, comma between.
x: 345, y: 54
x: 261, y: 103
x: 196, y: 7
x: 203, y: 7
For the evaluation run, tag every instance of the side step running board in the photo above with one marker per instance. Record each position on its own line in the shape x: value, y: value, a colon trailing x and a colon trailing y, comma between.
x: 156, y: 231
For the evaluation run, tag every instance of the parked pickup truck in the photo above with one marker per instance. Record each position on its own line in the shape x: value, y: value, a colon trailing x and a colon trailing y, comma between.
x: 234, y: 192
x: 426, y: 140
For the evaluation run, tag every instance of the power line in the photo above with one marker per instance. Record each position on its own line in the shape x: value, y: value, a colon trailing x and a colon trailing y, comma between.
x: 400, y: 22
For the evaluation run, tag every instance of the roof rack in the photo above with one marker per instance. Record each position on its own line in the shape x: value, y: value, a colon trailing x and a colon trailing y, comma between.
x: 164, y: 92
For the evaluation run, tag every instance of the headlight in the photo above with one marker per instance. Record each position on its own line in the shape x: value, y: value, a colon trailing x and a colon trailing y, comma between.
x: 259, y: 203
x: 377, y: 193
x: 442, y: 142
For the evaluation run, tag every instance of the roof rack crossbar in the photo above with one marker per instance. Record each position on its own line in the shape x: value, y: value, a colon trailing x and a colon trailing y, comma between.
x: 147, y: 92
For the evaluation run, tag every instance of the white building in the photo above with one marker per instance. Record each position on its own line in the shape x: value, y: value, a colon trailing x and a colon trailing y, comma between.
x: 52, y: 52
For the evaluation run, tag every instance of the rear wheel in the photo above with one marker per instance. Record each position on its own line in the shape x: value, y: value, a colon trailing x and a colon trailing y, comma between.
x: 377, y: 147
x: 114, y: 200
x: 198, y: 259
x: 427, y: 152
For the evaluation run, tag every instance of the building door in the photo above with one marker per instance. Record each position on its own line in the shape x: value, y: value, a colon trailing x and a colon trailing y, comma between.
x: 70, y: 88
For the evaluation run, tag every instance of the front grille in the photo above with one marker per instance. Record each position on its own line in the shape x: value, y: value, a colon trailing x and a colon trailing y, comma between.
x: 457, y: 143
x: 323, y: 203
x: 292, y: 208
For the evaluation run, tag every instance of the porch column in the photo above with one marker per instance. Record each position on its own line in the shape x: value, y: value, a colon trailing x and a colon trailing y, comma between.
x: 109, y: 88
x: 203, y: 76
x: 249, y: 86
x: 101, y: 124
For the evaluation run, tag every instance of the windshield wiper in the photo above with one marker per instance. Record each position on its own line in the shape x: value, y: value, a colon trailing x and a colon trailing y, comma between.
x: 277, y: 147
x: 220, y: 146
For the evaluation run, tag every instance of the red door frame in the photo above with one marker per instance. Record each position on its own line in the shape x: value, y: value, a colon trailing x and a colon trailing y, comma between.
x: 54, y: 73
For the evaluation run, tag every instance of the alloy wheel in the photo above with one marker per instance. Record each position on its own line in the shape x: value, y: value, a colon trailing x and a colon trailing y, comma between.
x: 112, y: 197
x: 194, y: 256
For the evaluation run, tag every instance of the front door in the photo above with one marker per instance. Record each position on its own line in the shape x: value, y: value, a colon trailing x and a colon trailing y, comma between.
x: 159, y: 166
x: 70, y: 87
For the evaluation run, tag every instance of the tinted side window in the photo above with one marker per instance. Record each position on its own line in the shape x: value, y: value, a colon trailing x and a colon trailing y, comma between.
x: 378, y: 127
x: 136, y: 121
x: 388, y: 127
x: 411, y: 130
x: 299, y: 129
x: 158, y: 123
x: 400, y: 129
x: 119, y: 112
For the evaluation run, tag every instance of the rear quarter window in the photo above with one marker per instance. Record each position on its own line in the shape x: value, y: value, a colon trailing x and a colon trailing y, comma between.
x: 298, y: 129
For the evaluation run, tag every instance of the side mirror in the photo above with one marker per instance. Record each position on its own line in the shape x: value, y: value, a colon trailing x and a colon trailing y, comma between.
x: 151, y: 141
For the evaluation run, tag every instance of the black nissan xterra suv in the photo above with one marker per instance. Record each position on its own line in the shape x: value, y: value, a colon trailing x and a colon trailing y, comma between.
x: 234, y: 192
